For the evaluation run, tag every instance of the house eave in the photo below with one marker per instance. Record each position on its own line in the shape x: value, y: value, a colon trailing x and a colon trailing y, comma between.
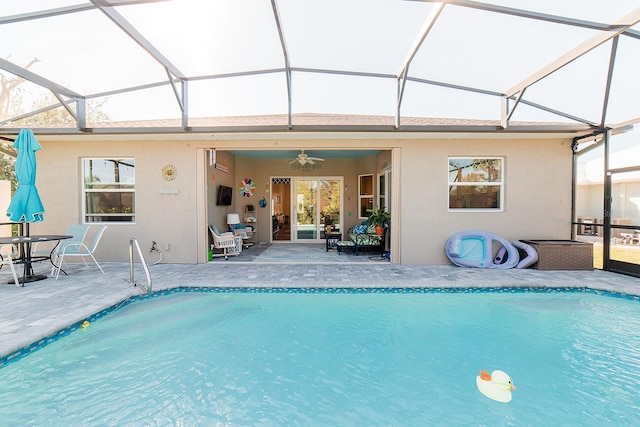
x: 319, y: 131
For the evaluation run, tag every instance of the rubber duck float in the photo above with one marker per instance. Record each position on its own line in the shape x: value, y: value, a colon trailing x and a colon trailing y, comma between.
x: 496, y: 386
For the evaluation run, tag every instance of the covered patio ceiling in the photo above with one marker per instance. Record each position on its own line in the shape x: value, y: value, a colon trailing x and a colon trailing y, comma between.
x: 291, y: 154
x: 167, y: 66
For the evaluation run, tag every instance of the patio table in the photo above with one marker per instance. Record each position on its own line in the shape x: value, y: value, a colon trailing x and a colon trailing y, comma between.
x: 26, y: 258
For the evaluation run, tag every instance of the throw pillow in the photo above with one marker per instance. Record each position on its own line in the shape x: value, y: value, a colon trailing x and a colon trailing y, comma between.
x: 359, y: 229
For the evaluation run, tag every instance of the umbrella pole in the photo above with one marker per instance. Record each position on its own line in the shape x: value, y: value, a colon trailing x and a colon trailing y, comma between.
x: 28, y: 271
x: 21, y: 247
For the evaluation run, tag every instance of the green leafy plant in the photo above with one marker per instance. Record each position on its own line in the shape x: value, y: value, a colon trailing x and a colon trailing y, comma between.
x: 328, y: 220
x: 380, y: 217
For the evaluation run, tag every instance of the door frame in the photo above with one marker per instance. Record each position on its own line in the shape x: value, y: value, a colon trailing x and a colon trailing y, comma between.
x: 609, y: 263
x: 293, y: 223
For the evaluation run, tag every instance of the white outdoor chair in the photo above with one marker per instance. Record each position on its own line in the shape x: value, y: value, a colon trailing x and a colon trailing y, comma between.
x: 8, y: 253
x: 230, y: 244
x: 75, y: 249
x: 78, y: 231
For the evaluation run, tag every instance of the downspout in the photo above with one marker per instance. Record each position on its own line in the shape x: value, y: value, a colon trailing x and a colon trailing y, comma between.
x: 574, y: 182
x: 606, y: 233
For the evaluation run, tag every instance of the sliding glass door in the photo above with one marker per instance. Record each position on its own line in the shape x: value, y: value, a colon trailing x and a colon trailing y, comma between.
x: 306, y: 198
x: 317, y: 203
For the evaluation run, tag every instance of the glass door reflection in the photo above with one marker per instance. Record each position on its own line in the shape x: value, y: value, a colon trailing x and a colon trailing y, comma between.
x: 318, y: 203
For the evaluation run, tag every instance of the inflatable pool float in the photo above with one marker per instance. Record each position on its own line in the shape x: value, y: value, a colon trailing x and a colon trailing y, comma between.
x: 474, y: 248
x: 496, y: 386
x: 530, y: 254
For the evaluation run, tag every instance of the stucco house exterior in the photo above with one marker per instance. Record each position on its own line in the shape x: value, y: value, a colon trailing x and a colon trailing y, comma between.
x: 452, y: 115
x: 535, y: 185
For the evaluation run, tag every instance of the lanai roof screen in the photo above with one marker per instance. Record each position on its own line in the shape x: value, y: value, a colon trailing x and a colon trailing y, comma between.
x: 99, y: 64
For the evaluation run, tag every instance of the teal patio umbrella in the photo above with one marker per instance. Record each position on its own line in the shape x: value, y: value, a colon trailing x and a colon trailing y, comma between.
x: 26, y: 206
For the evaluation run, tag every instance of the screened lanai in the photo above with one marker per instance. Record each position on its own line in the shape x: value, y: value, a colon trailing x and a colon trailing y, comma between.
x: 98, y: 65
x: 500, y: 70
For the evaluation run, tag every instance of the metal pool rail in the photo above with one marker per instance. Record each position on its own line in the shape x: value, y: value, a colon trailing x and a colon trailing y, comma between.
x: 134, y: 243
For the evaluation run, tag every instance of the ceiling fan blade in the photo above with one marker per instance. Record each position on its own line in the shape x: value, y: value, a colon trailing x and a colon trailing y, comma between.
x: 304, y: 159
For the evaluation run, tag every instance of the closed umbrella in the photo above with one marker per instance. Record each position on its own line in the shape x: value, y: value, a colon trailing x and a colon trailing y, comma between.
x: 26, y: 206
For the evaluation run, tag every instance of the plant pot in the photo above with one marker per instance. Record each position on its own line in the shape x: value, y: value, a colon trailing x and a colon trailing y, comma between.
x: 379, y: 230
x: 329, y: 228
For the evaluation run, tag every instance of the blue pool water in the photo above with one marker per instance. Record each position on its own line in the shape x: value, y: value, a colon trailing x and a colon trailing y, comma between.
x: 337, y: 359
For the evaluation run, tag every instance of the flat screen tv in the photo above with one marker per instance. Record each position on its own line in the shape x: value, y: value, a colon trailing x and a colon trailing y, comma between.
x: 224, y: 195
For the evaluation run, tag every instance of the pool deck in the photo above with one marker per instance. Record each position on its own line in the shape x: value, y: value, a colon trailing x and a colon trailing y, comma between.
x: 40, y: 309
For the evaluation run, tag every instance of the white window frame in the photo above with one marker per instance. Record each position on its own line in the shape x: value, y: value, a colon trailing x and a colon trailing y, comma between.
x: 362, y: 197
x: 498, y: 183
x: 384, y: 194
x: 118, y: 217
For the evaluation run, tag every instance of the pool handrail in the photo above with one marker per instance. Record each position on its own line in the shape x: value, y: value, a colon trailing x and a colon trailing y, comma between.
x: 148, y: 288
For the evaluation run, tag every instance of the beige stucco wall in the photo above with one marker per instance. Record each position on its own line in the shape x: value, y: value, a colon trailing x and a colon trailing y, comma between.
x: 537, y: 198
x: 165, y: 218
x: 537, y: 203
x: 218, y: 214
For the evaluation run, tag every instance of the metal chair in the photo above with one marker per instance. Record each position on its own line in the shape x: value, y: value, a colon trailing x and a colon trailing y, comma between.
x: 7, y: 257
x: 78, y: 231
x: 79, y: 249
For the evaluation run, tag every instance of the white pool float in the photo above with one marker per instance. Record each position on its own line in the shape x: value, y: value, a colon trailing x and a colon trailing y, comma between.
x: 496, y: 386
x: 474, y: 248
x: 530, y: 254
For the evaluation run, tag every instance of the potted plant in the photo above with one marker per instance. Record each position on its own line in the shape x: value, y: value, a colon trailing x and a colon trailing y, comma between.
x: 380, y: 218
x: 328, y: 223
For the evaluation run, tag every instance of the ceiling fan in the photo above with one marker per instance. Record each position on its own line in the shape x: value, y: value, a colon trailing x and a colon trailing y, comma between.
x: 304, y: 159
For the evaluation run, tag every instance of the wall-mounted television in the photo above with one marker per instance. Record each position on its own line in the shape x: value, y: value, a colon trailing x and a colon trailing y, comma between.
x: 224, y: 195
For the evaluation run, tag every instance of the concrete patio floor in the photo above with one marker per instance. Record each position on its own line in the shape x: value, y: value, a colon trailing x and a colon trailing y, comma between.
x: 40, y: 309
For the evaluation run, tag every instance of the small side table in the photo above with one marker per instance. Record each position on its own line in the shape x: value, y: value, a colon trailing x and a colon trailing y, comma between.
x: 332, y: 240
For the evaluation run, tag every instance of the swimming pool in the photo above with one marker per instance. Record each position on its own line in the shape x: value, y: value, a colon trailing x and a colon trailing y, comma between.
x: 340, y: 357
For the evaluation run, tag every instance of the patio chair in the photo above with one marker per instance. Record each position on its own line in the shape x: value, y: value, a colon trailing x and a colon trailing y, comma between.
x: 75, y: 249
x: 7, y: 254
x: 230, y: 244
x: 78, y: 231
